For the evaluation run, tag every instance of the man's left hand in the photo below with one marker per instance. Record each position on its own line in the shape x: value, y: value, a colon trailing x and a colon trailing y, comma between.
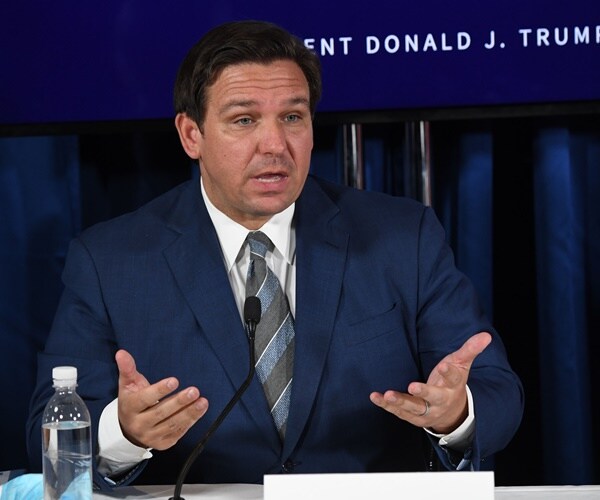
x: 441, y: 403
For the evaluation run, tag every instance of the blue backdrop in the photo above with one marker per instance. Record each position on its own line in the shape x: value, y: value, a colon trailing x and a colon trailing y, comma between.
x: 115, y: 60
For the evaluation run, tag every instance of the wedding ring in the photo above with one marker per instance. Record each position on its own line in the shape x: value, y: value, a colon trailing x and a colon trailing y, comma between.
x: 426, y: 411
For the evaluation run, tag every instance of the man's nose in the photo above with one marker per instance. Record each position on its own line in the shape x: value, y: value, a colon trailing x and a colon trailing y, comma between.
x: 272, y: 138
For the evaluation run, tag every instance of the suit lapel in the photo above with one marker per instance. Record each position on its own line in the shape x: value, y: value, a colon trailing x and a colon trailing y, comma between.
x: 196, y: 263
x: 321, y: 245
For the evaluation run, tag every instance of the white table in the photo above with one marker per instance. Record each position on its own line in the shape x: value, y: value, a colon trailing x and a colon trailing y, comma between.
x: 254, y: 492
x: 547, y: 493
x: 191, y: 492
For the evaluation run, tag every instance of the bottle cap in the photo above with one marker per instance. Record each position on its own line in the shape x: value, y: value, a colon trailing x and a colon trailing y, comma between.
x: 64, y: 375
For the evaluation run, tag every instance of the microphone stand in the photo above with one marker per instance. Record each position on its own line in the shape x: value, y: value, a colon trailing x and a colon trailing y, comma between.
x: 252, y: 311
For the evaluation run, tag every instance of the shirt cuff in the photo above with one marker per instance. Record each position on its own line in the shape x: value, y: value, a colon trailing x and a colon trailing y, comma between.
x: 460, y: 438
x: 116, y: 452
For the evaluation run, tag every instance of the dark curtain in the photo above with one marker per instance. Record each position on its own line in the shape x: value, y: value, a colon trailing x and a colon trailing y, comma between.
x: 567, y: 233
x: 519, y: 199
x: 39, y: 213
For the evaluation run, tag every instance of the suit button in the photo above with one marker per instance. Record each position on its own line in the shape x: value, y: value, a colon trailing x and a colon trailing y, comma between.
x: 288, y: 466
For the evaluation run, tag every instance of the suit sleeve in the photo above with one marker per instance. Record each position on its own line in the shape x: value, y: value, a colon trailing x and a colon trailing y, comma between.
x: 448, y: 314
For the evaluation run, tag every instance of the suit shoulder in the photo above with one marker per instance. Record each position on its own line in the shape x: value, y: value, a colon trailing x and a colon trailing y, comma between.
x: 369, y: 204
x: 143, y: 221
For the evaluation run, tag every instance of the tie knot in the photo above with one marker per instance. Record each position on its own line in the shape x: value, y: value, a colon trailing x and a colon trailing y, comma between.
x: 259, y: 243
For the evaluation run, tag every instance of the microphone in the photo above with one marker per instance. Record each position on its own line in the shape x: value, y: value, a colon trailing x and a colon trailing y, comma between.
x: 252, y: 312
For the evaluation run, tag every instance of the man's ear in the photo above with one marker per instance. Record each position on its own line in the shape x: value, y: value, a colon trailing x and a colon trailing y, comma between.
x: 189, y: 135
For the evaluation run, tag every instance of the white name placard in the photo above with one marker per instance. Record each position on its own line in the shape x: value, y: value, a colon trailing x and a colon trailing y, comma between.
x: 404, y: 485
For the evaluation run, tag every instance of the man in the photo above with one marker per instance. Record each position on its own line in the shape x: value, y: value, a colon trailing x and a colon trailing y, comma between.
x: 387, y: 358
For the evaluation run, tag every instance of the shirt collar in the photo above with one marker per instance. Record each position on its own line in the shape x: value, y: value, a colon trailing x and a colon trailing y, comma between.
x: 233, y: 235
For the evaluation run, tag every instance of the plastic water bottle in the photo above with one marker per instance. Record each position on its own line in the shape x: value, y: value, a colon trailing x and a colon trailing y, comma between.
x: 66, y: 441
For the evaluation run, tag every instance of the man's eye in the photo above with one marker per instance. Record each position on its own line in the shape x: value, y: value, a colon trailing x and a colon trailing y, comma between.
x: 244, y: 121
x: 292, y: 118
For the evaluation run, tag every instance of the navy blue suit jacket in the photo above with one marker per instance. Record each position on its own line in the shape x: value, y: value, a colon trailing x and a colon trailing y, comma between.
x: 379, y: 303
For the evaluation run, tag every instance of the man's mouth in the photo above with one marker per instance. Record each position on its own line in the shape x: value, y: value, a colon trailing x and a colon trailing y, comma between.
x: 270, y: 177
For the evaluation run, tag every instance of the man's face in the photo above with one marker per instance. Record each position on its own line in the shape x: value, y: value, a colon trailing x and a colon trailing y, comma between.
x: 256, y: 140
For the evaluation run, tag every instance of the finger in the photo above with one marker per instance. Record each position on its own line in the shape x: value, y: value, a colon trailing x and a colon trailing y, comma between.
x: 150, y: 425
x: 129, y: 377
x: 132, y: 382
x: 172, y: 405
x: 451, y: 375
x: 404, y: 406
x: 152, y: 395
x: 470, y: 349
x: 435, y: 395
x: 170, y: 430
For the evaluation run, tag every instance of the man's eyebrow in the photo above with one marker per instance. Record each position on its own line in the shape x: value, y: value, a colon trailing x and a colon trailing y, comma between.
x: 299, y: 100
x: 241, y: 103
x: 248, y: 103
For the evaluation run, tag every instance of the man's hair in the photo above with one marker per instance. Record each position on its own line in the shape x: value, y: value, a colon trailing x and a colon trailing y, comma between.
x: 236, y: 43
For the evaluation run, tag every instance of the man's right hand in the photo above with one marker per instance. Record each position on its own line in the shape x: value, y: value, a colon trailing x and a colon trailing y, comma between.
x: 148, y: 417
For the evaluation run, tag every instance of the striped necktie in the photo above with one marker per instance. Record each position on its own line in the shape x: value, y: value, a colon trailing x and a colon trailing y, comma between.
x: 275, y: 332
